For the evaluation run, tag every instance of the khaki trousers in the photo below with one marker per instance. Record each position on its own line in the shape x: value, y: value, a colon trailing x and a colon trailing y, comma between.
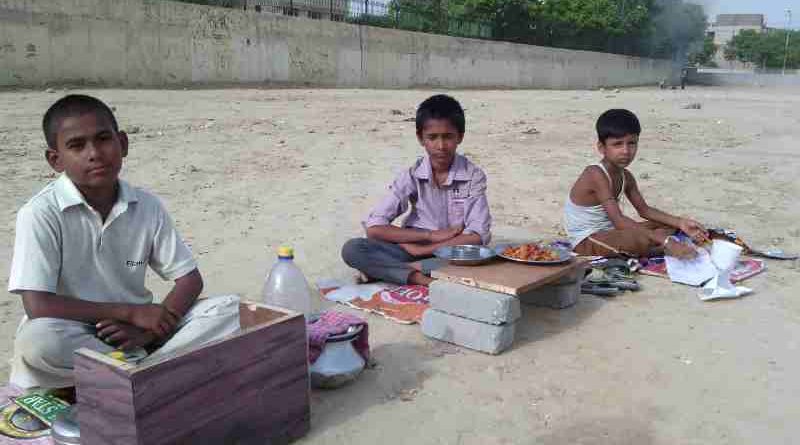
x: 44, y: 347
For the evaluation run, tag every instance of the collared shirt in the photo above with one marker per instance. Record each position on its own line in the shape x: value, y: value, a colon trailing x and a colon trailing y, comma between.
x: 460, y: 200
x: 63, y: 246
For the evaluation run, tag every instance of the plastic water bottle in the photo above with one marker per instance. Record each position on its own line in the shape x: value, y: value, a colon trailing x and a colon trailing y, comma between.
x: 286, y: 286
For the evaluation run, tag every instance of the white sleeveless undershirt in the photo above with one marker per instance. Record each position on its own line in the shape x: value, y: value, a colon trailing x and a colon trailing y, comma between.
x: 581, y: 222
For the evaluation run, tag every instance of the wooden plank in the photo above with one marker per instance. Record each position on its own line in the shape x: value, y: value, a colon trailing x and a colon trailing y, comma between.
x: 105, y: 399
x: 251, y: 387
x: 254, y: 314
x: 506, y: 277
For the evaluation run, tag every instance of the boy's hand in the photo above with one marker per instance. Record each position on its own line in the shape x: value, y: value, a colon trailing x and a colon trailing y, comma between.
x: 155, y: 318
x: 438, y: 236
x: 694, y: 229
x: 677, y: 249
x: 123, y: 335
x: 415, y: 249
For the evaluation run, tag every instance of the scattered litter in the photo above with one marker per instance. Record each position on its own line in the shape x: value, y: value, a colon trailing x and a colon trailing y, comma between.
x: 396, y: 112
x: 134, y: 129
x: 531, y: 130
x: 693, y: 106
x: 408, y: 395
x: 193, y: 169
x: 50, y: 90
x: 409, y: 119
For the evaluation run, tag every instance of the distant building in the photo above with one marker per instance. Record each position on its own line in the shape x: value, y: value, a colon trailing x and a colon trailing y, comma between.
x: 313, y: 9
x: 727, y: 26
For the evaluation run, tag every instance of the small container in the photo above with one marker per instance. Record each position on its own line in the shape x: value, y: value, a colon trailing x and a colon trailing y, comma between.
x: 339, y: 363
x: 65, y: 429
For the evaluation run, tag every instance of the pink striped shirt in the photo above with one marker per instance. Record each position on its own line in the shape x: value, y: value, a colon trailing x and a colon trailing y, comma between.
x: 460, y: 200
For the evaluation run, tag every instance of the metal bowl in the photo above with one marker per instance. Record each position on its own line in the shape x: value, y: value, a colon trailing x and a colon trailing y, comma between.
x: 465, y: 255
x: 66, y: 430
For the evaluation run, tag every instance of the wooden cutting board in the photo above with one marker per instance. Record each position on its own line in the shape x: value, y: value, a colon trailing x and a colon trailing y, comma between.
x: 506, y: 277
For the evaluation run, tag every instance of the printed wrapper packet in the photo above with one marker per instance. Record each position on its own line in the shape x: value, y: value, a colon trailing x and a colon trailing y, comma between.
x: 42, y: 406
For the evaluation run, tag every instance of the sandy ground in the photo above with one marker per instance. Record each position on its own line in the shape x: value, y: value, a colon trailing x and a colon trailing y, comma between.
x: 243, y: 171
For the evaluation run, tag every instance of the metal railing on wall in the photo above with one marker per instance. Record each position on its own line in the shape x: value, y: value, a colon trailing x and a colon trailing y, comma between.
x: 433, y: 16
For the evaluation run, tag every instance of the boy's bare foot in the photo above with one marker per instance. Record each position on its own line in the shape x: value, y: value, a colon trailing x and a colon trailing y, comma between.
x: 680, y: 250
x: 362, y: 278
x: 420, y: 279
x: 66, y: 394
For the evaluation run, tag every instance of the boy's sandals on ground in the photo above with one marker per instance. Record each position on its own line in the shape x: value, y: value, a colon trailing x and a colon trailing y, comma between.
x: 610, y: 279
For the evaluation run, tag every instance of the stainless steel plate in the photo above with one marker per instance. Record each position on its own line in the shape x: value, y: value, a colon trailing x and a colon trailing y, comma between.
x: 563, y: 254
x: 465, y: 255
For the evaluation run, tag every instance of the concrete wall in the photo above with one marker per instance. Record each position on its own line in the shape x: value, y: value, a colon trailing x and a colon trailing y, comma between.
x: 161, y: 43
x: 744, y: 78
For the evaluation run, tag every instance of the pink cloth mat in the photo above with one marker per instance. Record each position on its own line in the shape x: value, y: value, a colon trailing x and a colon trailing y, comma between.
x: 332, y: 323
x: 745, y: 268
x: 402, y: 304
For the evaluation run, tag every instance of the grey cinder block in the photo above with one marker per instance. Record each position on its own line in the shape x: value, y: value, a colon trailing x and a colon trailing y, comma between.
x: 484, y: 337
x: 558, y: 295
x: 473, y: 303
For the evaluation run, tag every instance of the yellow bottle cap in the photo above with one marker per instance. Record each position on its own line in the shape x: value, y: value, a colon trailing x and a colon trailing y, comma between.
x: 285, y: 252
x: 117, y: 355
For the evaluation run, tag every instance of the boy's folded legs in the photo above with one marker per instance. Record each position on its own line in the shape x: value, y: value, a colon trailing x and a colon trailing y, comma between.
x: 44, y: 347
x: 44, y: 350
x: 383, y: 261
x: 636, y: 242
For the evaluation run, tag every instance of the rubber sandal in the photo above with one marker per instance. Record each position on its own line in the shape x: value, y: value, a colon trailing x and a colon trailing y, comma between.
x: 600, y: 290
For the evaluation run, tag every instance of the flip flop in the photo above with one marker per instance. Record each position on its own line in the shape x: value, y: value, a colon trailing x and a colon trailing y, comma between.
x: 617, y: 276
x: 625, y: 285
x: 775, y: 254
x: 600, y: 289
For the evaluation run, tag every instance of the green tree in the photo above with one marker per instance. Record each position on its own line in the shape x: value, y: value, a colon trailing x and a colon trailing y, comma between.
x: 661, y: 28
x: 421, y: 15
x: 765, y: 50
x: 704, y: 56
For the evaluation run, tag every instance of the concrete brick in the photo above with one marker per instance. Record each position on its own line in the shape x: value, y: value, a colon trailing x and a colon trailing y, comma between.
x: 484, y: 337
x: 559, y: 295
x: 473, y: 303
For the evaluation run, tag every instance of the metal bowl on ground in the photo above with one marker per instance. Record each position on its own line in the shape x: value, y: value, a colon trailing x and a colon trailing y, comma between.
x: 65, y: 430
x: 465, y: 255
x: 339, y: 363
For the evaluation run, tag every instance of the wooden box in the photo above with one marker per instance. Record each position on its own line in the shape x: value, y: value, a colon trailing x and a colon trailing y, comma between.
x: 249, y: 388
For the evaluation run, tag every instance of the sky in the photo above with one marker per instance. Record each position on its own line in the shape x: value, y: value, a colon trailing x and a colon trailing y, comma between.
x: 775, y: 10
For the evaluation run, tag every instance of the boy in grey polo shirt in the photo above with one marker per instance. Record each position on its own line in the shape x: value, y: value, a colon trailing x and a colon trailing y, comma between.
x: 81, y: 250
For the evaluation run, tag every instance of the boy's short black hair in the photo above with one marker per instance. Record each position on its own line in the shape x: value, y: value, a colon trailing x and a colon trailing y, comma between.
x: 441, y: 106
x: 73, y: 105
x: 617, y: 123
